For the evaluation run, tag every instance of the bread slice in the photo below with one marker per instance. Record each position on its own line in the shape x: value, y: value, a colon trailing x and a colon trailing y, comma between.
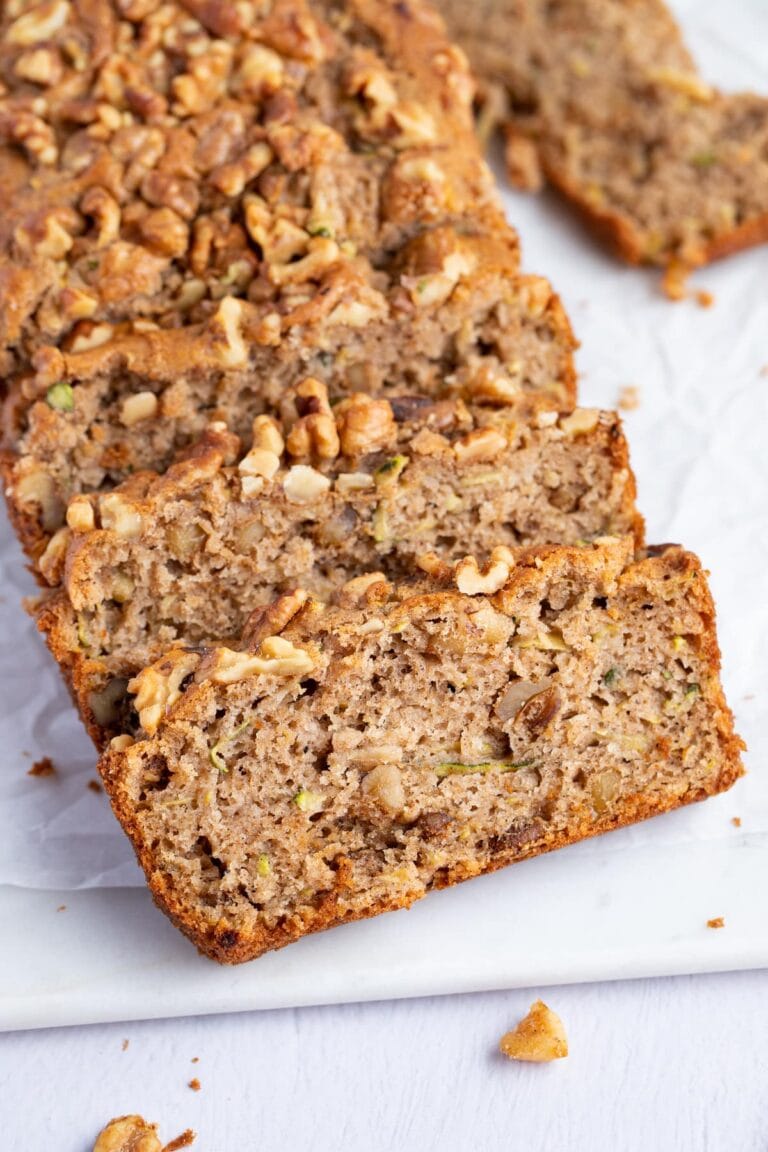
x: 606, y: 102
x: 183, y: 558
x: 344, y: 761
x: 205, y: 203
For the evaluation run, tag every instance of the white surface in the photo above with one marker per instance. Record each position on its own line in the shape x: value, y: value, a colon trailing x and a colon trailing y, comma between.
x: 632, y: 903
x: 655, y: 1066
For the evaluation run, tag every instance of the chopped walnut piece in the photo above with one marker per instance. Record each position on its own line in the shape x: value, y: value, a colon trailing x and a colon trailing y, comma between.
x: 275, y: 657
x: 482, y: 444
x: 384, y: 784
x: 158, y: 686
x: 539, y: 1037
x: 140, y: 406
x: 42, y: 22
x: 128, y: 1134
x: 365, y: 425
x: 314, y: 434
x: 119, y: 515
x: 472, y: 582
x: 304, y: 485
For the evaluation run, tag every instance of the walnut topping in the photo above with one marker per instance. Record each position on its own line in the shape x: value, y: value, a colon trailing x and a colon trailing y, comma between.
x: 259, y: 462
x: 356, y: 590
x: 314, y: 434
x: 436, y: 287
x: 80, y: 517
x: 581, y: 422
x: 127, y: 1133
x: 120, y: 516
x: 41, y: 23
x: 36, y: 487
x: 365, y: 425
x: 158, y: 687
x: 539, y: 1037
x: 226, y: 327
x: 482, y: 444
x: 39, y: 66
x: 304, y: 485
x: 140, y: 406
x: 51, y: 563
x: 267, y: 435
x: 275, y: 657
x: 472, y: 582
x: 271, y: 619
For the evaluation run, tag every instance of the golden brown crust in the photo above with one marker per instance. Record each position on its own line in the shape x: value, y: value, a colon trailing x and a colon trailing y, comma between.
x: 228, y: 945
x: 672, y: 574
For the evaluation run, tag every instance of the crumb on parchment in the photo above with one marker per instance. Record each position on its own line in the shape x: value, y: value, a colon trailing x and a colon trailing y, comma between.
x: 736, y: 821
x: 539, y: 1037
x: 42, y: 767
x: 716, y: 922
x: 195, y: 1084
x: 629, y: 398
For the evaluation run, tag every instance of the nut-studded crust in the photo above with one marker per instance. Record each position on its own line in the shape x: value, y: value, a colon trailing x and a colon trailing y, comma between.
x: 631, y: 59
x: 226, y: 941
x: 207, y: 201
x: 432, y: 440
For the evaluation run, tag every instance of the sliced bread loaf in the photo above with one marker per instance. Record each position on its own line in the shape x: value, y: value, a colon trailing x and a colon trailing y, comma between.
x: 605, y: 101
x: 206, y: 202
x: 344, y: 761
x: 326, y: 495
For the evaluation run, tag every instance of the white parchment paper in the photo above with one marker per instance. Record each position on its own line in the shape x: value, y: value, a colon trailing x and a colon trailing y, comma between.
x: 699, y: 443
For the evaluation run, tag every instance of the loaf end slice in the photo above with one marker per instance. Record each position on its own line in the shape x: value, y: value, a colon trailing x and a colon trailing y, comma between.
x: 604, y: 100
x: 347, y: 760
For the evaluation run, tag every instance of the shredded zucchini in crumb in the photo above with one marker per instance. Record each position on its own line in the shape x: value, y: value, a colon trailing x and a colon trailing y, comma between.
x: 453, y: 768
x: 214, y: 752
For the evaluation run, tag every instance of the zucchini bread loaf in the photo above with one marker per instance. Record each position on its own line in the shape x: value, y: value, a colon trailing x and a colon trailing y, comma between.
x: 343, y: 761
x: 319, y: 498
x: 206, y: 202
x: 605, y: 100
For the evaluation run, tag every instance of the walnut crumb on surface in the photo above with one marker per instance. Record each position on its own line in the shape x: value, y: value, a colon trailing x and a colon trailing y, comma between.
x: 124, y: 1045
x: 717, y: 922
x: 42, y: 767
x: 705, y: 299
x: 61, y: 908
x: 195, y: 1084
x: 629, y: 398
x: 736, y: 821
x: 94, y: 786
x: 538, y: 1038
x: 186, y: 1138
x: 134, y: 1134
x: 128, y: 1134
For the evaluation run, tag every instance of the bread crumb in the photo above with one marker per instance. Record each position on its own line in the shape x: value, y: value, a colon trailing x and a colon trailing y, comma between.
x: 43, y: 767
x: 186, y: 1138
x: 195, y: 1060
x: 629, y: 398
x: 94, y: 786
x: 704, y: 299
x: 539, y: 1037
x: 195, y: 1084
x: 61, y: 908
x: 125, y: 1045
x: 717, y: 922
x: 674, y: 280
x: 736, y: 821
